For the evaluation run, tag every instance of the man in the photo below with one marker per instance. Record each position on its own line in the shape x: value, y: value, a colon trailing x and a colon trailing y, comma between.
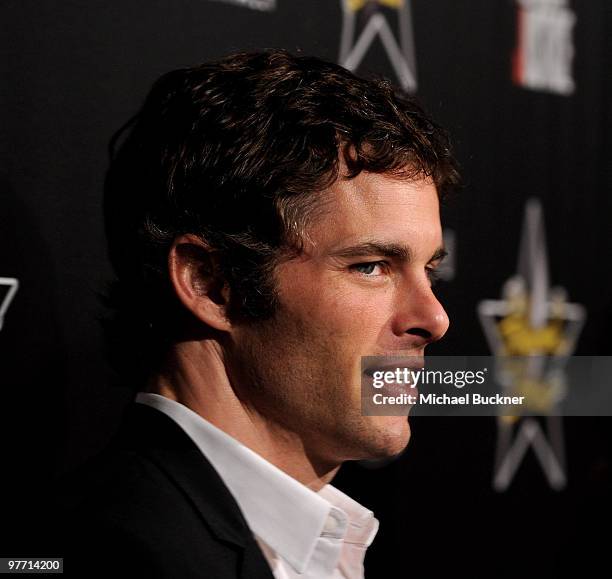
x: 271, y: 219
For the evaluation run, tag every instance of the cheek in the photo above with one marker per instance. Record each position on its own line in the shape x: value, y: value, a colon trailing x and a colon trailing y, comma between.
x: 340, y: 309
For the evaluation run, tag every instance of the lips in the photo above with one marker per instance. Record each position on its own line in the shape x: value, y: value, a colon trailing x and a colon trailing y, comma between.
x: 402, y: 368
x: 392, y: 363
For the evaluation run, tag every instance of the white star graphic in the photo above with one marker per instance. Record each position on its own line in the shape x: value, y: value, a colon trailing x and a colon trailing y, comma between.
x: 401, y: 56
x: 12, y: 285
x: 531, y: 284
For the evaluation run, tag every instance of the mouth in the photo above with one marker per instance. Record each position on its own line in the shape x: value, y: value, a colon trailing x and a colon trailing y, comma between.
x: 393, y: 375
x: 393, y: 364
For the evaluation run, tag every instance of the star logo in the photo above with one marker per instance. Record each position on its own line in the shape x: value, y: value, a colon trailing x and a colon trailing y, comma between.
x: 537, y: 323
x: 12, y: 284
x: 375, y: 24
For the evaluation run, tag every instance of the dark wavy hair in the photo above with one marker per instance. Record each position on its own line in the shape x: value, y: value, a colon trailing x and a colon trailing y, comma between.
x: 236, y: 152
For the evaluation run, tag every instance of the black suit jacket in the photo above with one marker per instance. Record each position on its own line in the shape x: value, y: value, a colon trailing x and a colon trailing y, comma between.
x: 152, y: 506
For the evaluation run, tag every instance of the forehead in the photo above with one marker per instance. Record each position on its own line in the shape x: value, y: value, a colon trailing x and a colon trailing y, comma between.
x: 374, y: 206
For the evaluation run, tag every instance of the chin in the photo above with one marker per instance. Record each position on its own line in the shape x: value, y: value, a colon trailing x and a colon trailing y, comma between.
x: 385, y: 437
x: 396, y: 434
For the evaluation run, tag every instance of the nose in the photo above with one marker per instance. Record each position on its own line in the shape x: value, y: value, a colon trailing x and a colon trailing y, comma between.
x: 421, y: 316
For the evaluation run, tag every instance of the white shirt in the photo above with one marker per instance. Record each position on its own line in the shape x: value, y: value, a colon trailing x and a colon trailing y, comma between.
x: 302, y: 533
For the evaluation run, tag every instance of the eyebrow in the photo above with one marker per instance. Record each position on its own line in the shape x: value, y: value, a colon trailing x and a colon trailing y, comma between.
x: 390, y: 250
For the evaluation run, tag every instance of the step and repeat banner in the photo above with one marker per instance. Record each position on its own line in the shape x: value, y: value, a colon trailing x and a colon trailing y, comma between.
x: 524, y: 88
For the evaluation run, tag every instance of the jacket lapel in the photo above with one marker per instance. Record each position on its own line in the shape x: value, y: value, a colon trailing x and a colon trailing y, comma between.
x: 157, y: 436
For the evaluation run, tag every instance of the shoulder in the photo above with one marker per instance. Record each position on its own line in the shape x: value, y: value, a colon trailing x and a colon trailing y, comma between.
x: 152, y: 505
x: 122, y: 514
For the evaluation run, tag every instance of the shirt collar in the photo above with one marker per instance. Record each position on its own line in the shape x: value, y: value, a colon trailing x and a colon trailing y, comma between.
x: 282, y: 512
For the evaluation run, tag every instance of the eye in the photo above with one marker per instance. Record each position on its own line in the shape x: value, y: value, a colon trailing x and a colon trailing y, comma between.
x: 433, y: 275
x: 370, y: 268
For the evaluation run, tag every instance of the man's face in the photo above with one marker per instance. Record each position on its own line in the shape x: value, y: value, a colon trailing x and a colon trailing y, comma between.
x: 360, y: 288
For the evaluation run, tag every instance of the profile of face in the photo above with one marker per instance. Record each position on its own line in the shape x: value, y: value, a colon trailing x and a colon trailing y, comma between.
x: 361, y: 287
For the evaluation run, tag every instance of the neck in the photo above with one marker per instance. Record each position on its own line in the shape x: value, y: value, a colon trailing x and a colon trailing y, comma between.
x: 195, y: 376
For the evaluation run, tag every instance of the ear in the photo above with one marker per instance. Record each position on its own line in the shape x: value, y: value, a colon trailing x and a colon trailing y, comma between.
x: 194, y: 274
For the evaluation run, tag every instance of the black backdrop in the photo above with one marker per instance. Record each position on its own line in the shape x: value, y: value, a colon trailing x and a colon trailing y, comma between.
x: 73, y: 72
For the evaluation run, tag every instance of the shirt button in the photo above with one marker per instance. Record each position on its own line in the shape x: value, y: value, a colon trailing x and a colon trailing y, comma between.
x: 330, y: 525
x: 334, y: 525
